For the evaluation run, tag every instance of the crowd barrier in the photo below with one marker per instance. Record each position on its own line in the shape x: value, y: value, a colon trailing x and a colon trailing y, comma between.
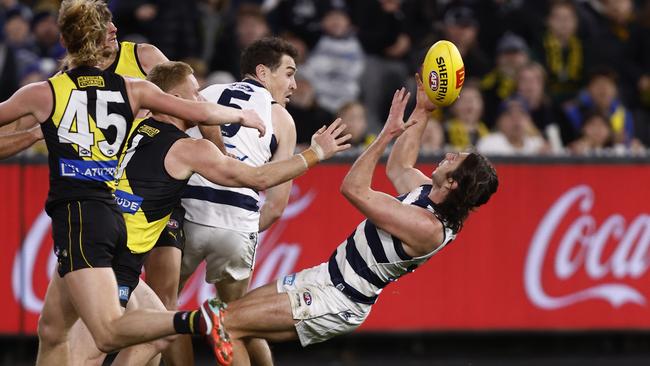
x: 563, y: 245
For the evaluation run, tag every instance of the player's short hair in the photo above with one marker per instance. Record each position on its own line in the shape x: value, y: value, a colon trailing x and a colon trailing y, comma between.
x: 169, y: 74
x: 84, y: 26
x: 477, y: 180
x: 267, y: 51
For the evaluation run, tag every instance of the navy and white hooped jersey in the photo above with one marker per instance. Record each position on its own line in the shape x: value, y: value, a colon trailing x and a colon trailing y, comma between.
x: 371, y: 258
x: 226, y: 207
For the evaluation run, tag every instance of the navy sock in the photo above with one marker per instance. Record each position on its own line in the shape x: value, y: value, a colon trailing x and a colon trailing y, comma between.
x: 189, y: 322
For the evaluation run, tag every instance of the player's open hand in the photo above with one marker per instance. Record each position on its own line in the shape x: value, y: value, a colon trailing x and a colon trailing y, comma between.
x: 328, y: 141
x: 395, y: 125
x: 422, y: 101
x: 251, y: 119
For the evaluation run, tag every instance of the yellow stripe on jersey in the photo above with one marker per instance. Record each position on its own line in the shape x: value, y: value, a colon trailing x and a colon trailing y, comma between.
x: 128, y: 64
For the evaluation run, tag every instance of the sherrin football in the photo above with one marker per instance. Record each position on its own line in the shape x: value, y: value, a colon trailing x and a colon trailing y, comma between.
x: 443, y: 73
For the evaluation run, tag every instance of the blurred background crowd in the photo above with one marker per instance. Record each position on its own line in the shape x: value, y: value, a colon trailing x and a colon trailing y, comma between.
x: 543, y: 77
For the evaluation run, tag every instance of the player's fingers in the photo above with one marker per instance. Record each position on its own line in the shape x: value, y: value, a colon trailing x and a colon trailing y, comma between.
x: 339, y: 129
x: 343, y: 139
x: 334, y: 125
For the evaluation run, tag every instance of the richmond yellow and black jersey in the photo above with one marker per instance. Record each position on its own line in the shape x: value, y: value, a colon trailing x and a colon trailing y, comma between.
x: 126, y: 62
x: 85, y: 133
x: 145, y: 192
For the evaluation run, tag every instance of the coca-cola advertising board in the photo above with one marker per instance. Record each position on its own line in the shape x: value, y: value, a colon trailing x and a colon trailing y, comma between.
x: 557, y: 247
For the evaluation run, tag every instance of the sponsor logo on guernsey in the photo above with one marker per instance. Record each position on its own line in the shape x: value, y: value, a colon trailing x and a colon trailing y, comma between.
x: 148, y: 130
x: 307, y: 297
x: 101, y: 171
x: 123, y: 292
x: 129, y: 203
x: 289, y: 279
x: 444, y: 78
x: 87, y: 81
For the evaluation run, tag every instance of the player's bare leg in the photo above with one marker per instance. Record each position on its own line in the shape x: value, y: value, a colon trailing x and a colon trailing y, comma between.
x: 85, y: 352
x: 258, y: 350
x: 163, y: 267
x: 57, y: 317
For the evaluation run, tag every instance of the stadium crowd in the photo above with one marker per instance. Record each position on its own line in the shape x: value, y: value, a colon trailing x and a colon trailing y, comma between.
x: 567, y: 77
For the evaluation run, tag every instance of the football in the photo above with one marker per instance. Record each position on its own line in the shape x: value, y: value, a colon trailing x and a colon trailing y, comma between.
x: 443, y: 73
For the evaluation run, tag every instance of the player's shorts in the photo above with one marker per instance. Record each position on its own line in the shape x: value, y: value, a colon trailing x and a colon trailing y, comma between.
x: 173, y: 235
x: 86, y: 234
x: 321, y: 309
x: 227, y: 253
x: 127, y: 267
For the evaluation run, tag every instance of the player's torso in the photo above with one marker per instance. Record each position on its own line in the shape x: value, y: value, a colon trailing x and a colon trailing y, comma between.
x: 236, y: 208
x: 85, y: 133
x: 145, y: 192
x: 126, y: 62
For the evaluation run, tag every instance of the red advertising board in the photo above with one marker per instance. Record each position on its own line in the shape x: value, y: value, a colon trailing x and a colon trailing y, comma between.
x: 557, y: 247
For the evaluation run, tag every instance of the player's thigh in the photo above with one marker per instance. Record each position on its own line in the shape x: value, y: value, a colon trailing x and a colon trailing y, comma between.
x: 162, y: 269
x: 230, y: 255
x: 58, y: 313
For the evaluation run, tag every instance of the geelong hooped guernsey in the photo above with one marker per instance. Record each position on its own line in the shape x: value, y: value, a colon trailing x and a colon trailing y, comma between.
x: 371, y: 258
x: 226, y: 207
x: 85, y: 133
x: 145, y: 192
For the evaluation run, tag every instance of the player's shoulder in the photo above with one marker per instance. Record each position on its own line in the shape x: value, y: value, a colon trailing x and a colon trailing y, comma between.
x: 281, y: 117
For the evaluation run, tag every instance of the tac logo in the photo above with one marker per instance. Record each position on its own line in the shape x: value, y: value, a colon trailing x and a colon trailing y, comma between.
x: 307, y: 297
x: 123, y: 292
x: 460, y: 77
x: 288, y: 280
x: 433, y: 81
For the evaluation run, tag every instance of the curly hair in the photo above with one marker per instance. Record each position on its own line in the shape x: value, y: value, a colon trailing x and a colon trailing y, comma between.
x: 266, y: 51
x: 477, y: 181
x: 83, y: 25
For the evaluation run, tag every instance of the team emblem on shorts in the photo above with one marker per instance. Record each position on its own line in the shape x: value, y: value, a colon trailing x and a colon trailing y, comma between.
x: 288, y: 280
x: 172, y: 224
x: 307, y: 297
x: 123, y: 292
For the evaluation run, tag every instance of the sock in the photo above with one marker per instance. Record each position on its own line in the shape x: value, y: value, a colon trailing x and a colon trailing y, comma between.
x: 189, y: 322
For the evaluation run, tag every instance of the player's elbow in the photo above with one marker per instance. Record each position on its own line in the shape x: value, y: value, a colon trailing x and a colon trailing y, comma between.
x: 349, y: 190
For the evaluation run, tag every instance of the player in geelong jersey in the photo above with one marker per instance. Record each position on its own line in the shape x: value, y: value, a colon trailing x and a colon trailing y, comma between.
x: 222, y: 223
x: 398, y: 235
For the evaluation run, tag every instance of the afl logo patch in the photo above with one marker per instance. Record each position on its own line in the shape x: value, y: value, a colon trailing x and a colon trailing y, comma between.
x: 307, y: 297
x: 172, y: 224
x: 433, y: 81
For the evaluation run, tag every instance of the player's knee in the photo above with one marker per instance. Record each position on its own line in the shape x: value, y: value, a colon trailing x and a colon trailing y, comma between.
x: 49, y: 332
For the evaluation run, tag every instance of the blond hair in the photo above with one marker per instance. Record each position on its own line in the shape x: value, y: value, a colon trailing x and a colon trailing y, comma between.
x: 84, y: 26
x: 169, y: 74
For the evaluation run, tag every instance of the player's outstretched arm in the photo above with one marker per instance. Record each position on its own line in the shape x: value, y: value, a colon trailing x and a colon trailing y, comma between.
x: 15, y: 142
x: 34, y: 99
x: 413, y: 225
x: 144, y: 94
x: 188, y: 156
x: 400, y: 167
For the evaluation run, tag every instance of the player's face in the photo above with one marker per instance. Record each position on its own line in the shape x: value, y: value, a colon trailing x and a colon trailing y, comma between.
x: 282, y: 82
x: 446, y: 166
x: 111, y: 37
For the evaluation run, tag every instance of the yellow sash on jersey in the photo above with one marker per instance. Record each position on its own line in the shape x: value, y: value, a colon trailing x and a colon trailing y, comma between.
x: 127, y: 63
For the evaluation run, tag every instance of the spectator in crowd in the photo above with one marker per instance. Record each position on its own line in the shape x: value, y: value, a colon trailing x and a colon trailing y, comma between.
x: 464, y: 128
x: 8, y: 71
x: 596, y: 135
x: 461, y: 28
x: 499, y: 84
x: 335, y: 64
x: 354, y: 115
x: 301, y: 18
x: 433, y: 137
x: 46, y: 36
x: 176, y: 31
x: 308, y: 115
x: 642, y: 54
x: 512, y: 136
x: 248, y: 26
x: 601, y: 95
x: 382, y: 30
x: 562, y: 51
x: 531, y: 88
x: 614, y: 45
